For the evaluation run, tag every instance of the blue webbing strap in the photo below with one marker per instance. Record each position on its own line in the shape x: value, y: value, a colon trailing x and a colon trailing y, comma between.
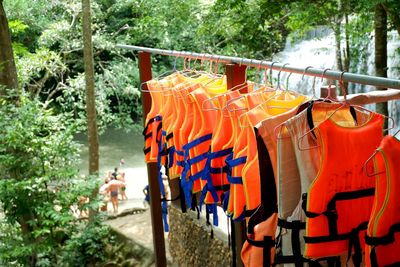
x: 233, y: 163
x: 197, y: 141
x: 187, y: 185
x: 209, y: 188
x: 164, y: 209
x: 171, y: 151
x: 225, y: 200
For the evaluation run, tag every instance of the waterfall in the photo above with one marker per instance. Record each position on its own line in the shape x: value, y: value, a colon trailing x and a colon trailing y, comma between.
x: 318, y: 50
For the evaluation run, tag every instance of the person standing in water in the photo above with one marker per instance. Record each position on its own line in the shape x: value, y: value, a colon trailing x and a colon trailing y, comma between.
x: 113, y: 187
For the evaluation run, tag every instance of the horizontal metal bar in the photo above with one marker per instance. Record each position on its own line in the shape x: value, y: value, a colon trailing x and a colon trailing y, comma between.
x: 329, y: 74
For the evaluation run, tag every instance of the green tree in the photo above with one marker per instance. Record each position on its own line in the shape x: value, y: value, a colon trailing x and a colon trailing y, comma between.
x: 8, y: 72
x: 39, y: 180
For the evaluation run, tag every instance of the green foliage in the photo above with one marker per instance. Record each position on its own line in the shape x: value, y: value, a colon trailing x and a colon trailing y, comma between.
x: 87, y: 245
x: 39, y: 183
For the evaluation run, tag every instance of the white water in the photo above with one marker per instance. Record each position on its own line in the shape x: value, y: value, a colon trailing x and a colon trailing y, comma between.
x: 319, y: 52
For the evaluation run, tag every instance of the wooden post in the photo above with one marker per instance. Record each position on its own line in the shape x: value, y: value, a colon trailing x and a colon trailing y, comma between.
x: 236, y: 75
x: 330, y: 91
x: 152, y: 171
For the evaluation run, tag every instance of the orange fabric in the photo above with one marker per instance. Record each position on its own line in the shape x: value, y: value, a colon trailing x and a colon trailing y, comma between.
x: 157, y: 89
x: 223, y: 138
x: 251, y: 171
x: 253, y: 256
x: 237, y: 201
x: 344, y: 151
x: 179, y: 117
x: 204, y: 122
x: 252, y: 182
x: 183, y: 130
x: 386, y: 208
x: 153, y: 127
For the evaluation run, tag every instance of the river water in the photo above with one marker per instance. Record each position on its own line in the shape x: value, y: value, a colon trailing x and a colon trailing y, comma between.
x: 116, y: 144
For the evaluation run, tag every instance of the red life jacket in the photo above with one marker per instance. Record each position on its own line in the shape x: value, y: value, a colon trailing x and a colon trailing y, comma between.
x: 383, y: 233
x: 339, y: 201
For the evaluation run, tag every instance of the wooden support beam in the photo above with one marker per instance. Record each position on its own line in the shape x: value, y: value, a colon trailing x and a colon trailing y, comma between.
x: 152, y: 171
x: 236, y: 75
x: 372, y: 97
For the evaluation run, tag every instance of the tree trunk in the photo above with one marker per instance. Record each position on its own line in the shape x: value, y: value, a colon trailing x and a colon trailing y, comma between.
x: 8, y: 71
x: 339, y: 64
x: 93, y: 138
x: 393, y: 15
x: 381, y: 53
x: 346, y: 66
x: 90, y: 95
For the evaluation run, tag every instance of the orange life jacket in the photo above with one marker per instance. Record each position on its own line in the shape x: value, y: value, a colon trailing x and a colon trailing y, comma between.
x: 196, y: 150
x: 167, y: 113
x: 235, y: 162
x: 263, y: 253
x: 383, y: 232
x: 297, y: 168
x: 339, y: 201
x: 176, y: 153
x: 251, y: 171
x: 221, y: 147
x: 152, y: 129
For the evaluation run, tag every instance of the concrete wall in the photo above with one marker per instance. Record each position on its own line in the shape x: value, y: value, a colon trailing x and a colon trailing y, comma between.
x: 190, y: 241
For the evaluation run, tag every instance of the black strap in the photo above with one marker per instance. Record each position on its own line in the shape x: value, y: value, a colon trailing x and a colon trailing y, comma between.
x: 182, y: 199
x: 372, y: 258
x: 194, y: 206
x: 345, y: 236
x: 258, y: 216
x: 354, y: 242
x: 157, y: 118
x: 224, y: 187
x: 267, y: 251
x: 310, y: 121
x: 169, y: 136
x: 268, y: 242
x: 164, y: 152
x: 172, y: 199
x: 297, y: 258
x: 396, y: 264
x: 146, y: 150
x: 291, y: 225
x: 223, y: 169
x: 331, y: 212
x: 147, y: 136
x: 383, y: 240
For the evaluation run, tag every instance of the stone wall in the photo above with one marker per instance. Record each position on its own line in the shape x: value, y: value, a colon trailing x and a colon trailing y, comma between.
x: 191, y: 244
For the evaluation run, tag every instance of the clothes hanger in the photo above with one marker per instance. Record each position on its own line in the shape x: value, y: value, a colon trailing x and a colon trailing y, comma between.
x: 263, y: 104
x: 345, y: 103
x: 265, y: 89
x: 371, y: 157
x: 160, y: 77
x: 278, y: 127
x: 235, y: 88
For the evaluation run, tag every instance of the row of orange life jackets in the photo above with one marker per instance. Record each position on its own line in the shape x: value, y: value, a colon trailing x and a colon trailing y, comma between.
x: 303, y: 193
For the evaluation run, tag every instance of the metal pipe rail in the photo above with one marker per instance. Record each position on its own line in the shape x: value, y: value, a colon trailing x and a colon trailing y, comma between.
x: 309, y: 71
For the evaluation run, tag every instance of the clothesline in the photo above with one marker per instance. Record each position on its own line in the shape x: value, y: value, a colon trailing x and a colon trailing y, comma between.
x: 235, y: 74
x: 309, y: 71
